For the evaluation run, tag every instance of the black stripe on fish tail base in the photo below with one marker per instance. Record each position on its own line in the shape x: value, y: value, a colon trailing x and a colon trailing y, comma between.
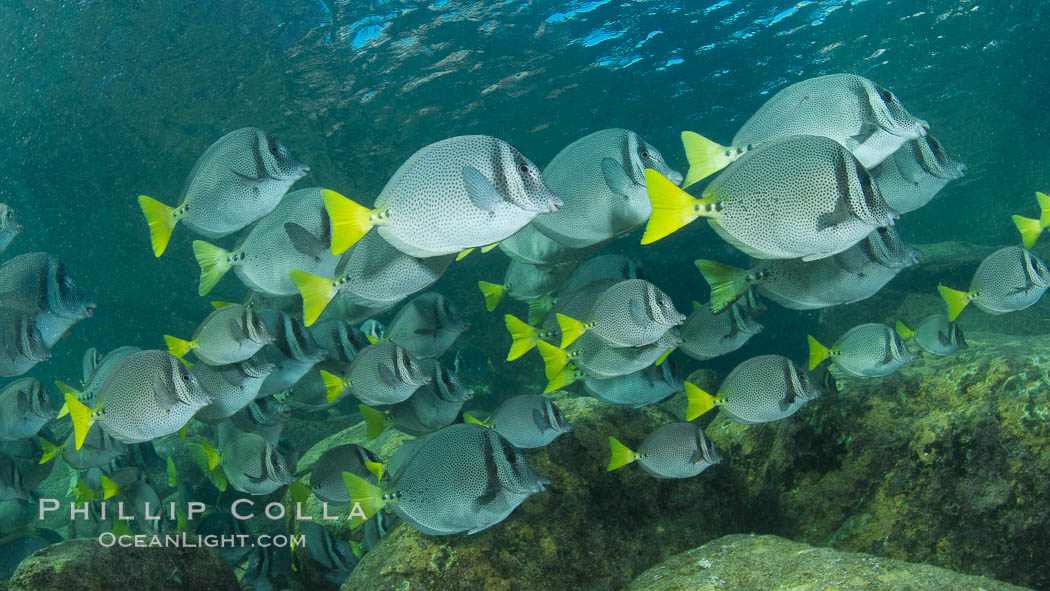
x: 492, y: 484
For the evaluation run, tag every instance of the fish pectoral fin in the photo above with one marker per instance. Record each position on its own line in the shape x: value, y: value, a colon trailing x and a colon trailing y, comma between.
x: 840, y: 215
x: 256, y: 479
x: 638, y: 314
x: 616, y: 177
x: 481, y: 192
x: 697, y: 457
x: 491, y: 491
x: 163, y: 392
x: 537, y: 417
x: 866, y: 131
x: 386, y: 373
x: 427, y: 331
x: 304, y: 241
x: 250, y: 180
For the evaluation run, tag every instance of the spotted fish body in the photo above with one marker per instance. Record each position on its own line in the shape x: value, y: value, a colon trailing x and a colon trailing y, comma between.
x: 913, y: 175
x: 529, y: 421
x: 528, y: 282
x: 597, y: 359
x: 677, y: 450
x: 340, y: 340
x: 637, y: 389
x: 798, y: 197
x: 1008, y: 280
x: 463, y: 478
x: 326, y: 477
x: 433, y: 405
x: 601, y: 178
x: 606, y: 266
x: 99, y: 449
x: 11, y: 487
x: 24, y: 409
x: 9, y: 226
x: 21, y: 345
x: 532, y: 247
x: 459, y: 193
x: 384, y: 373
x: 870, y: 350
x: 232, y: 386
x: 427, y: 325
x: 148, y: 394
x: 230, y: 334
x: 252, y: 465
x: 295, y: 235
x: 706, y: 335
x: 41, y: 282
x: 938, y: 336
x: 264, y: 416
x: 633, y: 313
x: 852, y: 275
x: 855, y: 112
x: 376, y: 272
x: 238, y: 179
x: 97, y: 369
x: 293, y: 352
x: 766, y: 388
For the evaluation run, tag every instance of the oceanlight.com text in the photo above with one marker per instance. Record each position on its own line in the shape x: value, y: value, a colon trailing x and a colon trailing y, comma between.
x: 186, y: 540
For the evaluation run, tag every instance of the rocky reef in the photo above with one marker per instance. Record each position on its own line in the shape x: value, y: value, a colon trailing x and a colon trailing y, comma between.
x: 743, y: 562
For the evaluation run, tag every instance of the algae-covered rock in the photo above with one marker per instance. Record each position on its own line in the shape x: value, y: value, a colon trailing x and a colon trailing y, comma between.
x: 749, y: 562
x: 85, y: 565
x: 591, y: 529
x: 943, y: 462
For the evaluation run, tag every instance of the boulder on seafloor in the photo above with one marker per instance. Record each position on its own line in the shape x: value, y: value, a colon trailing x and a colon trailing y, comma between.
x: 943, y: 462
x: 743, y: 562
x: 591, y: 529
x: 85, y: 565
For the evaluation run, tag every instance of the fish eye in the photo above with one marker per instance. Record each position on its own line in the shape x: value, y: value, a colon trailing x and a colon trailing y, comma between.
x: 523, y: 168
x: 645, y: 154
x: 888, y: 96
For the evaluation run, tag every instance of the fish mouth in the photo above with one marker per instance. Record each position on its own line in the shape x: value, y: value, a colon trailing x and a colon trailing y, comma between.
x: 18, y: 229
x: 89, y: 309
x: 556, y: 203
x: 675, y: 177
x: 466, y: 326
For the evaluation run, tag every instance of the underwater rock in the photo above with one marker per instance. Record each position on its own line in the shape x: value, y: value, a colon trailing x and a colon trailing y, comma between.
x: 742, y: 562
x: 84, y: 565
x: 591, y: 529
x: 943, y: 463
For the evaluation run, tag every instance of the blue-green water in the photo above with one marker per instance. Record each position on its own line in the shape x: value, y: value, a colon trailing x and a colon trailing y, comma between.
x: 103, y: 101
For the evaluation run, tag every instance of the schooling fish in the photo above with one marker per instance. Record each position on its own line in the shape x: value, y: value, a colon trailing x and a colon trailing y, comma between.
x: 935, y: 335
x: 149, y: 394
x: 632, y: 313
x: 250, y: 463
x: 913, y: 175
x: 21, y: 345
x: 1029, y: 228
x: 373, y: 273
x: 867, y: 350
x: 44, y: 284
x: 295, y: 235
x: 597, y: 359
x: 677, y: 450
x: 326, y: 478
x: 759, y: 390
x: 798, y: 197
x: 432, y: 406
x: 9, y: 226
x: 268, y: 566
x: 641, y: 388
x: 230, y: 334
x: 1007, y: 280
x: 532, y: 247
x: 98, y: 449
x: 382, y: 373
x: 24, y: 408
x: 339, y: 339
x: 10, y: 480
x: 601, y: 178
x: 427, y: 326
x: 604, y: 267
x: 237, y: 180
x: 463, y: 478
x: 232, y: 386
x: 706, y: 335
x: 860, y: 115
x: 265, y: 416
x: 292, y: 353
x: 527, y: 421
x: 525, y: 283
x: 460, y: 193
x: 336, y: 558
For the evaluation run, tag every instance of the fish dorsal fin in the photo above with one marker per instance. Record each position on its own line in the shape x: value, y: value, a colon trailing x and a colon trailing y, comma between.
x: 616, y: 177
x: 303, y: 241
x: 481, y: 192
x: 638, y: 314
x: 387, y: 374
x: 541, y: 423
x: 164, y: 392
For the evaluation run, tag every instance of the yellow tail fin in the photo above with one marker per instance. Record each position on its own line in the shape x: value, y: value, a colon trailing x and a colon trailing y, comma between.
x: 213, y: 458
x: 367, y: 495
x: 109, y: 488
x: 333, y: 386
x: 317, y: 293
x: 727, y: 282
x: 83, y: 418
x: 82, y: 493
x: 1044, y: 208
x: 817, y: 352
x: 376, y: 468
x: 65, y: 388
x: 523, y: 335
x: 903, y: 330
x: 699, y: 401
x: 493, y: 294
x: 563, y: 378
x: 463, y: 253
x: 350, y: 221
x: 161, y: 220
x: 472, y: 420
x: 1030, y: 230
x: 705, y: 157
x: 173, y: 474
x: 956, y: 300
x: 179, y: 347
x: 50, y: 450
x: 214, y: 263
x: 621, y: 455
x: 554, y: 359
x: 571, y: 329
x: 375, y: 420
x: 673, y: 208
